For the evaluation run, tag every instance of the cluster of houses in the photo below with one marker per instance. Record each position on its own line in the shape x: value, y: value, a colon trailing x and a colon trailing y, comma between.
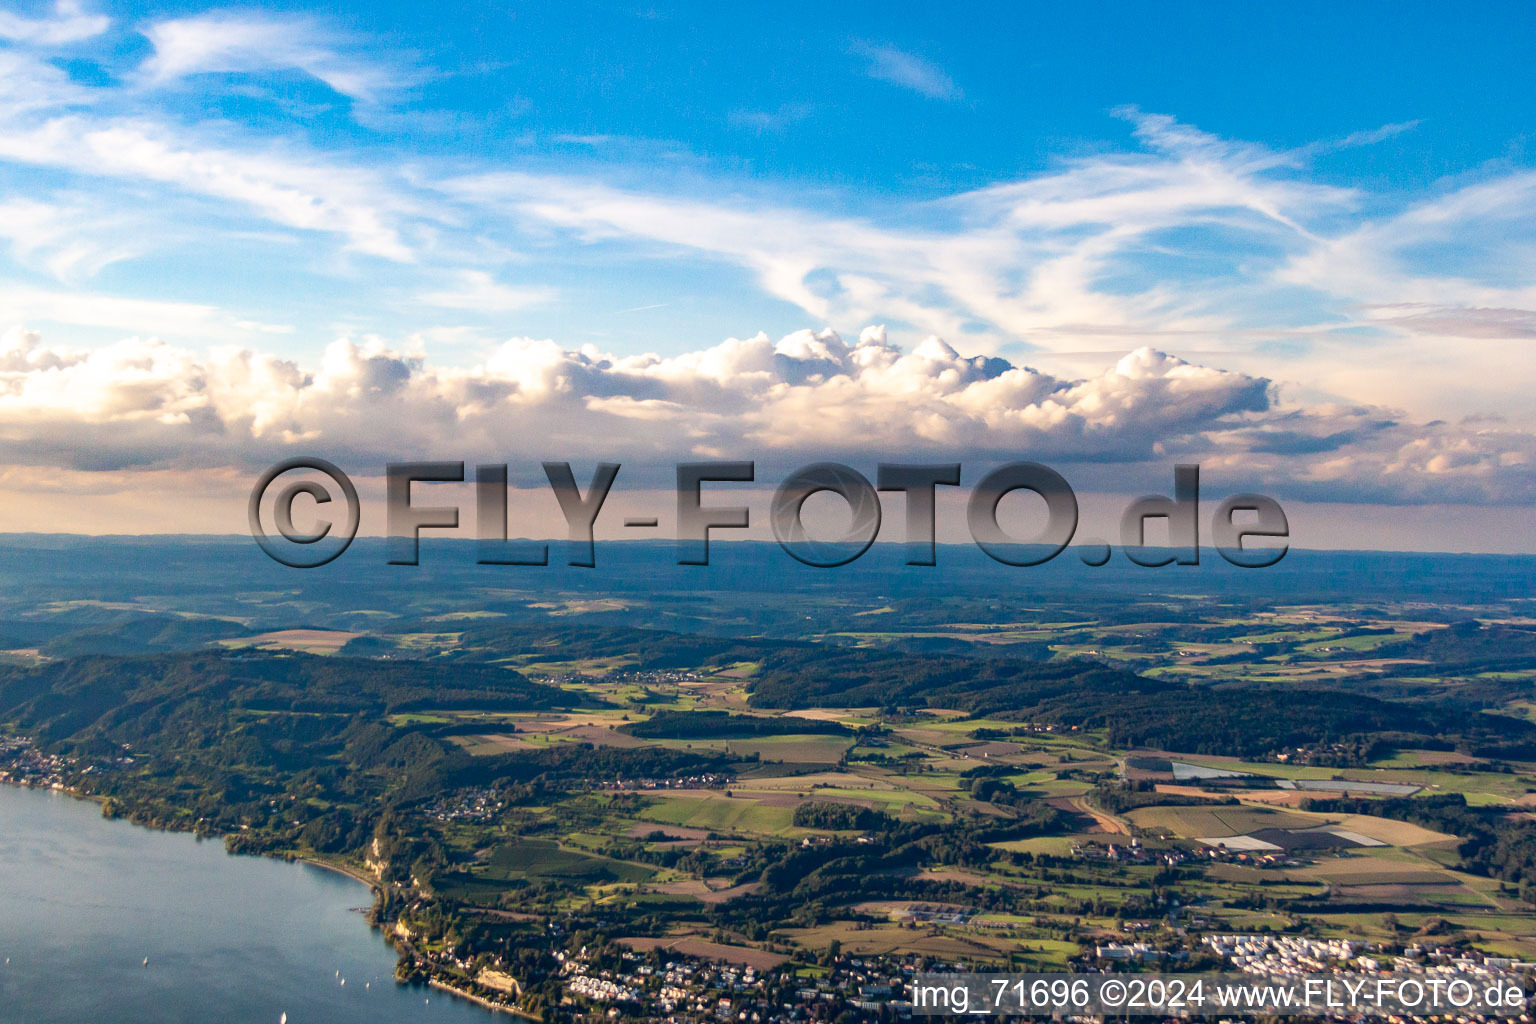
x: 685, y: 991
x: 1218, y: 851
x: 479, y: 804
x: 22, y: 764
x: 1282, y: 955
x: 1131, y: 852
x: 704, y: 780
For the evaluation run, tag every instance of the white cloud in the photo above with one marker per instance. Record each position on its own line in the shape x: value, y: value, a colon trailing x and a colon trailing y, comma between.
x: 1457, y: 321
x: 48, y: 121
x: 224, y: 42
x: 65, y: 238
x: 287, y: 186
x: 1023, y: 260
x: 478, y: 291
x: 770, y: 121
x: 69, y: 24
x: 898, y: 67
x: 29, y: 85
x: 23, y: 303
x: 1193, y: 243
x: 808, y: 396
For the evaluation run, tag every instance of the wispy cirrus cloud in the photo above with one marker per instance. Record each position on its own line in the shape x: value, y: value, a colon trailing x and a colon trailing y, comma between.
x: 227, y: 42
x: 887, y: 63
x: 776, y: 120
x: 1456, y: 321
x: 285, y: 184
x: 1028, y: 259
x: 69, y: 24
x: 478, y: 290
x: 65, y: 237
x: 25, y: 303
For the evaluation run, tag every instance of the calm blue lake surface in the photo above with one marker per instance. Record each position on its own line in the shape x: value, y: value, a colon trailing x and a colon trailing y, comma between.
x: 84, y: 900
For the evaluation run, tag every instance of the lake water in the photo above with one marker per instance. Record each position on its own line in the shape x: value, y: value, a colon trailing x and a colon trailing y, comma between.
x: 84, y: 900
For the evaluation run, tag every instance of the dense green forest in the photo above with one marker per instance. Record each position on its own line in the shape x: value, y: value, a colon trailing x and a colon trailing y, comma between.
x: 838, y: 816
x: 1243, y: 723
x: 809, y: 676
x: 63, y: 698
x: 1467, y: 647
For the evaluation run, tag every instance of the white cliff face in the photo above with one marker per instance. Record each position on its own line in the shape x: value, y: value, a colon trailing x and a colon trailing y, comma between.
x: 374, y: 862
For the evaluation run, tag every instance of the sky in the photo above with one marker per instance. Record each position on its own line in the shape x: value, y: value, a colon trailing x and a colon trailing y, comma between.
x: 1293, y: 243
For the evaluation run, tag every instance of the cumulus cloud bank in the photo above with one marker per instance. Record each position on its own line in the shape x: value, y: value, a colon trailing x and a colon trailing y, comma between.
x: 810, y: 395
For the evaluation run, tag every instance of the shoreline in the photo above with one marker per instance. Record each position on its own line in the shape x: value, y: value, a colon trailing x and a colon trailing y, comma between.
x: 374, y: 886
x: 340, y: 869
x: 478, y: 1000
x: 74, y: 795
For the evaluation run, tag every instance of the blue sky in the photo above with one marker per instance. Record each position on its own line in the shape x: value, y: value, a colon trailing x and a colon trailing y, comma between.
x: 222, y: 229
